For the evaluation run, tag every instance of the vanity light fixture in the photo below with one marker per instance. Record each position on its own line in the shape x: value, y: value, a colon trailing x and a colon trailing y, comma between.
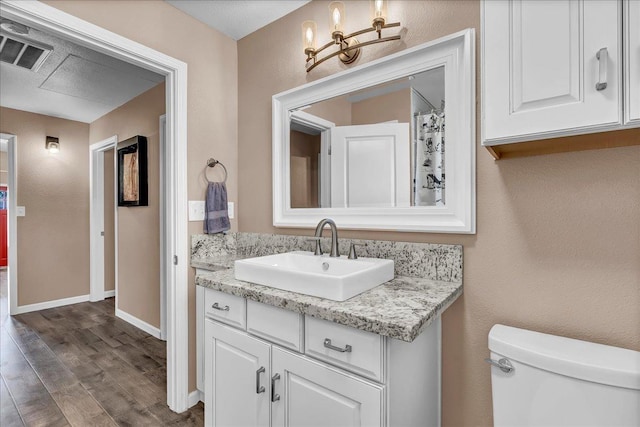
x: 52, y: 145
x: 348, y: 46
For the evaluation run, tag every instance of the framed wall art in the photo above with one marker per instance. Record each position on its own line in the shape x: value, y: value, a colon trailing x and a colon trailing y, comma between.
x: 132, y: 172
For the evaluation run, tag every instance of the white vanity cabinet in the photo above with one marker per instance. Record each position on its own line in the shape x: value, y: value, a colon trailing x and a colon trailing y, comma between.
x: 280, y: 368
x: 556, y: 68
x: 240, y: 387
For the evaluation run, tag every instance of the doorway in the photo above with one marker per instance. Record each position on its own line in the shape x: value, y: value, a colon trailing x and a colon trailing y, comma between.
x: 97, y: 220
x: 9, y: 142
x: 176, y: 257
x: 4, y: 179
x: 104, y: 229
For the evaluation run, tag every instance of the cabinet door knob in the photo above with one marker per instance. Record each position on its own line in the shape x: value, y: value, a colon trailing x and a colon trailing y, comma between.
x: 217, y: 307
x: 347, y: 348
x: 274, y: 397
x: 603, y: 62
x: 259, y: 388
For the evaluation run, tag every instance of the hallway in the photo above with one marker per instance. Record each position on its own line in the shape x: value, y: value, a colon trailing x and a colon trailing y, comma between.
x: 79, y: 365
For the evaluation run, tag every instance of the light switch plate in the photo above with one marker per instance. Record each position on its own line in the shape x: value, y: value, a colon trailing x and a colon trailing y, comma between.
x: 21, y: 211
x: 196, y: 210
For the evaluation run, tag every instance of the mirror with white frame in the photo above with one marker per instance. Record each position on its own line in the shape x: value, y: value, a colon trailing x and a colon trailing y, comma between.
x: 366, y: 147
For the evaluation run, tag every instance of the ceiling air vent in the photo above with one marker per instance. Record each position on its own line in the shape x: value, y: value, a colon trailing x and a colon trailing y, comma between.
x: 23, y: 52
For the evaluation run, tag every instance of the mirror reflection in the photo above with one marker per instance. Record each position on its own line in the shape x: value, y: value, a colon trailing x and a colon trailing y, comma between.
x: 383, y: 146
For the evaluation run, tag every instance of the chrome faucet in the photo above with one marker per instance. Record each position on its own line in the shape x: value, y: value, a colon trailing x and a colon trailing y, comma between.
x: 334, y: 237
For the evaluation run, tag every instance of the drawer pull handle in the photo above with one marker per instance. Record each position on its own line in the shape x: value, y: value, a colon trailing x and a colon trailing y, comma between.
x: 347, y: 348
x: 274, y: 397
x: 259, y: 388
x: 217, y: 307
x: 603, y: 58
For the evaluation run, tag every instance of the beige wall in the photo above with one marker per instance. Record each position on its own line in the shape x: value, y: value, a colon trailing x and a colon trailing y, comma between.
x: 138, y: 228
x: 211, y: 96
x: 336, y: 110
x: 53, y: 237
x: 558, y: 242
x: 109, y: 224
x: 383, y: 108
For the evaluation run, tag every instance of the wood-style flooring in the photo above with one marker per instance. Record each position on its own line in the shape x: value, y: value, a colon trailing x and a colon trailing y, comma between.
x: 79, y: 365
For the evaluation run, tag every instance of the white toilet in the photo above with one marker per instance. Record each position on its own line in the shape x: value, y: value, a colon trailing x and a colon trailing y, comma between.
x: 546, y: 380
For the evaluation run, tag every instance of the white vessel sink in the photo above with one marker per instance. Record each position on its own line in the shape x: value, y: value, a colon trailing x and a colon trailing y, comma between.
x: 336, y: 279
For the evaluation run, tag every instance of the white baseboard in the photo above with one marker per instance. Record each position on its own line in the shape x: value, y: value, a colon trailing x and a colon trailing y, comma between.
x: 50, y: 304
x: 110, y: 294
x: 140, y: 324
x: 195, y: 397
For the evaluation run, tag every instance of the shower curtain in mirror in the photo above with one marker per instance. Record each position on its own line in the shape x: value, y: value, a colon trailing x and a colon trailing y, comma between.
x: 429, y: 188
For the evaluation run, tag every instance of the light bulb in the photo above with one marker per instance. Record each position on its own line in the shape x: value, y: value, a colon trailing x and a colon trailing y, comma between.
x: 378, y: 8
x: 379, y: 12
x: 336, y: 18
x: 309, y: 36
x: 309, y: 30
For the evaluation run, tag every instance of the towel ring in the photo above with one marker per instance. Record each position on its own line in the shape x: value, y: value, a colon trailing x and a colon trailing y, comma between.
x: 212, y: 163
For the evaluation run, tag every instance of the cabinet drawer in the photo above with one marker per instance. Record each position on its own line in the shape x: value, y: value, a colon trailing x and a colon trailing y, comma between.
x: 225, y: 308
x: 328, y: 341
x: 275, y: 324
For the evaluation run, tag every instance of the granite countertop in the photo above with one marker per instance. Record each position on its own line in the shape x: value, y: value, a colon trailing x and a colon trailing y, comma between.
x: 401, y: 308
x: 219, y: 262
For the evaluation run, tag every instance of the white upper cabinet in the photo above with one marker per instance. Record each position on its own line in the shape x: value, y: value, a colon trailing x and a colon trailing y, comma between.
x: 553, y: 68
x: 632, y: 61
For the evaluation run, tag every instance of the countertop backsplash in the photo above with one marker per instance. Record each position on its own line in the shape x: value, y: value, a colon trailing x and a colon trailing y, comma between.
x: 423, y: 260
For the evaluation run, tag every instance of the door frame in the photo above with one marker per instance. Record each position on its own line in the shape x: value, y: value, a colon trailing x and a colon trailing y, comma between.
x: 12, y: 222
x: 165, y: 252
x: 96, y: 219
x: 69, y: 27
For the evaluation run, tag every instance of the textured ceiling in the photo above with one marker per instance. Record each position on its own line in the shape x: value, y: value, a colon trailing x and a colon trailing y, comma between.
x: 237, y: 18
x: 73, y: 83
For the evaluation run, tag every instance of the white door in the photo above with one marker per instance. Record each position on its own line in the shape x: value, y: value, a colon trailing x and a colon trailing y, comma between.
x: 370, y: 165
x: 632, y: 61
x: 236, y: 378
x: 542, y: 76
x: 312, y: 394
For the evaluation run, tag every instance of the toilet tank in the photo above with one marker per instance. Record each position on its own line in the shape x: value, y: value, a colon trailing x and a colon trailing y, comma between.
x: 559, y: 381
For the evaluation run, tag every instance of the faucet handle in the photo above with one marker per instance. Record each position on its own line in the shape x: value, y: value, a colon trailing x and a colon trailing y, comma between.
x: 352, y: 250
x: 318, y: 250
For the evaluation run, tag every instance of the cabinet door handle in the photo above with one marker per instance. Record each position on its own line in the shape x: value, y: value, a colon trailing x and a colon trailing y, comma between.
x: 603, y: 62
x: 217, y: 307
x: 274, y: 397
x: 259, y: 388
x: 347, y: 348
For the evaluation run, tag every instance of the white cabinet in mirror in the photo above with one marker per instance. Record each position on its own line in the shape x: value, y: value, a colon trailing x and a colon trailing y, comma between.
x: 366, y: 146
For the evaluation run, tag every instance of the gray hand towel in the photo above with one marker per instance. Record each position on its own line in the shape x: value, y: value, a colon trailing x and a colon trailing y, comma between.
x: 216, y: 216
